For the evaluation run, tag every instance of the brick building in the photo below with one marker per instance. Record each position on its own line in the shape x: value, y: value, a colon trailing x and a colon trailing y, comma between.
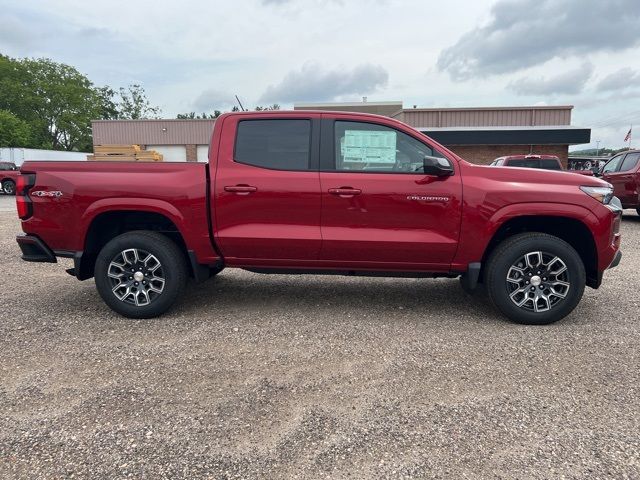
x: 477, y: 134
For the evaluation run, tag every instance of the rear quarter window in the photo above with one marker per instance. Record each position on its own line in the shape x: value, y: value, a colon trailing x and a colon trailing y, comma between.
x: 630, y: 162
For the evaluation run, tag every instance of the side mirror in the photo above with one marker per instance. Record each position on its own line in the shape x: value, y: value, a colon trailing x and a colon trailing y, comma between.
x: 437, y: 167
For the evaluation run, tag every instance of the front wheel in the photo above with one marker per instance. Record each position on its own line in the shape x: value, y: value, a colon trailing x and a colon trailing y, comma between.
x: 535, y: 278
x: 9, y: 187
x: 140, y: 274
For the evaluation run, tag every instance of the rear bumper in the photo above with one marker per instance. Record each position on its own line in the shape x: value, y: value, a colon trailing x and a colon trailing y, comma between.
x: 34, y: 249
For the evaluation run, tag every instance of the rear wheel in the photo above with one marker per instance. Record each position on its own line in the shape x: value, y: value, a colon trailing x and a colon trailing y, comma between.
x: 140, y: 274
x: 535, y: 278
x: 9, y: 187
x: 638, y: 210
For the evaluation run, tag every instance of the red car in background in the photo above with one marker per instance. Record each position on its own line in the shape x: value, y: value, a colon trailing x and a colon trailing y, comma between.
x: 8, y: 174
x: 623, y: 172
x: 544, y: 162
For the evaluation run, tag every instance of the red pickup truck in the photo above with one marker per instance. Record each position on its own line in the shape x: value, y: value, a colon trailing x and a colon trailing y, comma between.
x: 623, y: 172
x: 322, y: 193
x: 545, y: 162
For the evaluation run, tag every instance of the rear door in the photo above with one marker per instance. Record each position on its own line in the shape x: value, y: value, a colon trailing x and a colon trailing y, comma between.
x: 379, y: 210
x: 267, y: 189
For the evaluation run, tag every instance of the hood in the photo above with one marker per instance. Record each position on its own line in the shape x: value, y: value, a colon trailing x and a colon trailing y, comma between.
x: 539, y: 176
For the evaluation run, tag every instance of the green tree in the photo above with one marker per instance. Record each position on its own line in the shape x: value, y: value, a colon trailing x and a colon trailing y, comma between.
x: 194, y: 116
x: 275, y: 106
x: 13, y: 131
x: 56, y: 100
x: 108, y: 106
x: 134, y: 104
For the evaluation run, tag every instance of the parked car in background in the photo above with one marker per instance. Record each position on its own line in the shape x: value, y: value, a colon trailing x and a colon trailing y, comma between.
x: 623, y: 172
x: 8, y: 174
x: 544, y: 162
x: 322, y: 193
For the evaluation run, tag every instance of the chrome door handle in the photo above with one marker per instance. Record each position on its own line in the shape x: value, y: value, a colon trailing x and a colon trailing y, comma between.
x: 345, y: 191
x: 241, y: 189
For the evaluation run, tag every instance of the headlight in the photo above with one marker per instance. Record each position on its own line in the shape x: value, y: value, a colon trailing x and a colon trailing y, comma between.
x: 601, y: 194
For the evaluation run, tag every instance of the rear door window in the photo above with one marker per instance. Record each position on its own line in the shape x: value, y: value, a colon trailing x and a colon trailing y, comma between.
x: 630, y: 162
x: 278, y: 144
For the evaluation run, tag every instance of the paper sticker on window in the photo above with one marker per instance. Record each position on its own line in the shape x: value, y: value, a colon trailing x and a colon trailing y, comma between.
x: 367, y: 146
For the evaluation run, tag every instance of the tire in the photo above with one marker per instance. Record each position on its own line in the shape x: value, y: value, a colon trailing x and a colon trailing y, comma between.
x: 556, y: 291
x: 9, y: 187
x: 161, y: 271
x: 638, y: 210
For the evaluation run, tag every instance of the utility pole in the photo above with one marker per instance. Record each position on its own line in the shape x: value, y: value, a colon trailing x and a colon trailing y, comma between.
x: 597, y: 148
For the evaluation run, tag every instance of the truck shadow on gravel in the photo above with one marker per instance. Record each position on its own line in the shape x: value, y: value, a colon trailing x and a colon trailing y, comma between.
x: 252, y: 295
x: 631, y: 217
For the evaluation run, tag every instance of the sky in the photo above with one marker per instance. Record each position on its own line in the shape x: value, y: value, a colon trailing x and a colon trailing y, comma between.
x: 196, y: 55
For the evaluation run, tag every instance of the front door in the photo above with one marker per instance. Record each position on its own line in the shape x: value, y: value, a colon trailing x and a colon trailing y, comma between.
x: 267, y: 190
x: 379, y: 210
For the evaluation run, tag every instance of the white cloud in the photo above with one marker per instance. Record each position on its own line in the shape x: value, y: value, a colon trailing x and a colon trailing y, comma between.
x: 570, y: 82
x: 313, y: 83
x: 525, y: 33
x: 622, y: 79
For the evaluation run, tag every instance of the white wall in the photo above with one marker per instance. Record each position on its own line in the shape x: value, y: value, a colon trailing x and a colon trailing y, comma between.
x: 203, y: 153
x: 171, y: 153
x: 21, y: 155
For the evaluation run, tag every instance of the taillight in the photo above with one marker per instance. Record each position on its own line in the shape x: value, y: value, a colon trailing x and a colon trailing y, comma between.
x: 23, y: 203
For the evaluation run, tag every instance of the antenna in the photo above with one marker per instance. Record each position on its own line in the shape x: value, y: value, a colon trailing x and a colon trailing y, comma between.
x: 240, y: 103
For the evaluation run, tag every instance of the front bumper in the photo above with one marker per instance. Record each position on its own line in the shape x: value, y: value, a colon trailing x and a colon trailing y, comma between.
x: 616, y: 260
x: 34, y: 249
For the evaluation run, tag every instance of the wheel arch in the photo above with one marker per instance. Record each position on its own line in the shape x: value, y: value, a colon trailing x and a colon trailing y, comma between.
x: 572, y: 230
x: 107, y: 224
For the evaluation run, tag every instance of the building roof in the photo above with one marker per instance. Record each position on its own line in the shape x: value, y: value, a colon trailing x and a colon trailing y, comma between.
x: 152, y: 132
x: 526, y: 125
x: 387, y: 109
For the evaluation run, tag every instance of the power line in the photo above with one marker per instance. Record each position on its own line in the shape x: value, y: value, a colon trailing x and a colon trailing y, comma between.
x: 617, y: 119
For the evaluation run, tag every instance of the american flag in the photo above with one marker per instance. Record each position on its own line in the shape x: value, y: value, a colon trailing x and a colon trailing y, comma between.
x: 626, y: 139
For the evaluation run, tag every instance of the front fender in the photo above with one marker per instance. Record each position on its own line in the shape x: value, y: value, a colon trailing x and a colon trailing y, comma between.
x: 479, y: 226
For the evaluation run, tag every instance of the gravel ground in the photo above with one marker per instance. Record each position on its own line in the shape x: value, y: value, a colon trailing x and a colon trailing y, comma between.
x: 256, y: 376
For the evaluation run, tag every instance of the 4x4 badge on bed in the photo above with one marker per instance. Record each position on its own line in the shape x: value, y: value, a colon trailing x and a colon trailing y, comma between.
x: 46, y: 193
